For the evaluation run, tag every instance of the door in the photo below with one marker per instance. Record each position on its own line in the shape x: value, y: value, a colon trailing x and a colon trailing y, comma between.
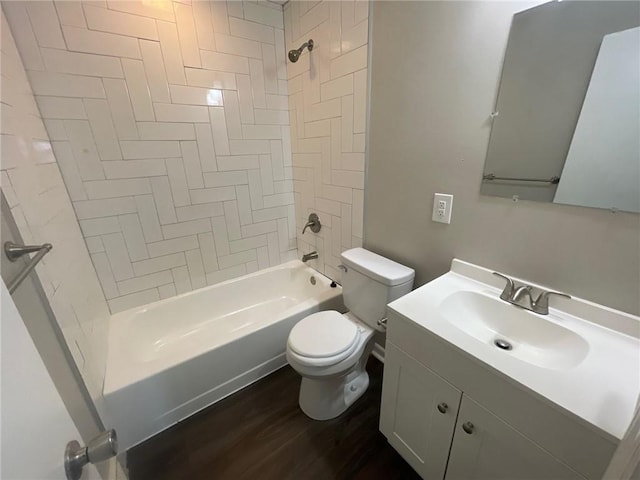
x: 35, y: 424
x: 484, y: 447
x: 418, y: 413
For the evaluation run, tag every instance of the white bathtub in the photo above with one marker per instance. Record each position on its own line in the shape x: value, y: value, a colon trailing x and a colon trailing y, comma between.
x: 169, y: 359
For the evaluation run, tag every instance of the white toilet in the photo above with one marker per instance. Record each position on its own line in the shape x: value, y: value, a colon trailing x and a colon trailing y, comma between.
x: 330, y: 349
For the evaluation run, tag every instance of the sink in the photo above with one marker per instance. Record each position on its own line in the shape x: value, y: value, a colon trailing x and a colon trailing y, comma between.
x: 534, y: 339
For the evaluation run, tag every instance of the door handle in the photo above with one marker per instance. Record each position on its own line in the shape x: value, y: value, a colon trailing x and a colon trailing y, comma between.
x: 101, y: 448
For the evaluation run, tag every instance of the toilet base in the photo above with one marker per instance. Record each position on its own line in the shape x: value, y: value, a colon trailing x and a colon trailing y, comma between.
x: 327, y: 398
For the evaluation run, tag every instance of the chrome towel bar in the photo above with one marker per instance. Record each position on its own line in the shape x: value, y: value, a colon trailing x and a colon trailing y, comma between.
x: 552, y: 180
x: 14, y: 251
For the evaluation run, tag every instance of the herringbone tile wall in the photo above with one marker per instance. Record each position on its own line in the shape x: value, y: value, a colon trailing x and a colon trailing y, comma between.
x: 327, y: 108
x: 170, y: 123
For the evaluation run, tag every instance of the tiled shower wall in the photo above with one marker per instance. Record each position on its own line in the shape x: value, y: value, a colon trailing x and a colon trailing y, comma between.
x: 170, y: 123
x: 42, y: 210
x: 327, y: 105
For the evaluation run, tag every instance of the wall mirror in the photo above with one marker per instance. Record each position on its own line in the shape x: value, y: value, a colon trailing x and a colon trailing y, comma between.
x: 566, y: 125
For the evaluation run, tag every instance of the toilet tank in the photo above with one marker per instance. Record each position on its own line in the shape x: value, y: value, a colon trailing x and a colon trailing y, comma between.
x: 372, y: 281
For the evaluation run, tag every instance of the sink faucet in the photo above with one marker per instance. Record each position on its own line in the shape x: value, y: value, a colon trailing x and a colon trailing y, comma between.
x: 522, y: 297
x: 309, y: 256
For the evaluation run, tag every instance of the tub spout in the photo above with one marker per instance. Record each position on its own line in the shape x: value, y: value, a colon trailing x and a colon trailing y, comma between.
x: 309, y: 256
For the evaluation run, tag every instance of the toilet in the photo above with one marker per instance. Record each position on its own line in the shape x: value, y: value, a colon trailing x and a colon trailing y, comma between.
x: 329, y: 349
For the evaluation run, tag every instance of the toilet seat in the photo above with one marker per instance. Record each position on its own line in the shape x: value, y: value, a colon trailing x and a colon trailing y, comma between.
x: 323, y: 339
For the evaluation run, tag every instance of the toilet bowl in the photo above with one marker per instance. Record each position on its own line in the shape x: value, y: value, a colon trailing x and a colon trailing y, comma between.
x: 330, y: 350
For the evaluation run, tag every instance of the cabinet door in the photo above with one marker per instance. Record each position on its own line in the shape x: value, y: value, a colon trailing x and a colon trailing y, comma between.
x: 490, y: 449
x: 411, y: 417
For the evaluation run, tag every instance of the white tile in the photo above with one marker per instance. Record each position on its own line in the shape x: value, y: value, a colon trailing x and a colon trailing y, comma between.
x: 94, y: 244
x: 357, y: 213
x: 226, y: 261
x: 61, y: 61
x: 232, y: 114
x: 70, y: 13
x: 105, y: 275
x: 69, y: 169
x: 355, y: 37
x: 84, y: 149
x: 249, y: 243
x: 133, y: 238
x: 111, y: 21
x: 163, y: 200
x: 348, y: 14
x: 178, y: 182
x: 187, y: 35
x: 65, y: 85
x: 158, y: 264
x: 145, y: 282
x: 266, y: 175
x: 226, y: 274
x: 277, y: 102
x: 55, y: 129
x: 337, y: 88
x: 273, y: 248
x: 104, y: 208
x: 118, y: 256
x: 169, y: 290
x: 175, y: 245
x: 347, y: 123
x: 250, y: 30
x: 142, y: 149
x: 314, y: 17
x: 232, y: 219
x: 133, y: 168
x: 103, y: 129
x: 244, y: 204
x: 350, y: 62
x: 360, y: 101
x: 166, y: 131
x: 238, y: 162
x: 171, y: 53
x: 204, y: 27
x: 257, y: 84
x: 191, y: 162
x: 359, y: 140
x: 195, y: 95
x: 269, y: 214
x: 255, y: 191
x: 120, y: 107
x: 25, y: 39
x: 234, y: 9
x: 220, y: 236
x: 245, y: 96
x: 261, y: 132
x: 154, y: 69
x: 210, y: 79
x: 347, y: 178
x: 157, y: 10
x: 260, y: 228
x: 99, y: 226
x: 44, y: 21
x: 206, y: 149
x: 126, y: 302
x: 249, y: 147
x: 237, y: 46
x: 166, y: 112
x: 208, y: 252
x: 272, y: 117
x: 148, y: 218
x: 322, y: 110
x: 361, y: 10
x: 101, y: 43
x: 196, y: 269
x: 208, y: 195
x: 320, y: 128
x: 224, y: 62
x: 181, y: 279
x: 138, y: 89
x: 203, y: 210
x: 220, y: 17
x: 117, y: 188
x: 277, y: 161
x: 224, y: 179
x: 283, y: 235
x: 281, y: 60
x: 219, y: 130
x: 278, y: 199
x: 270, y: 69
x: 264, y: 15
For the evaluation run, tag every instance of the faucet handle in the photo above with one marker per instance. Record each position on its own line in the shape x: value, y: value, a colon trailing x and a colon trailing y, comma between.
x: 509, y: 288
x: 542, y: 302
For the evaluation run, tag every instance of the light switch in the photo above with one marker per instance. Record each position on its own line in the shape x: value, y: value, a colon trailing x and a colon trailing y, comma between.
x: 442, y: 206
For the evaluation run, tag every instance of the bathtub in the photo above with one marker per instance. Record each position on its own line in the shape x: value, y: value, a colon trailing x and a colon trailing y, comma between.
x: 171, y: 358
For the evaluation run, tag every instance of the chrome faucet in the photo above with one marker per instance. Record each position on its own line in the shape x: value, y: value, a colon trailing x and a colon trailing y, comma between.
x: 309, y: 256
x: 522, y: 296
x: 313, y: 223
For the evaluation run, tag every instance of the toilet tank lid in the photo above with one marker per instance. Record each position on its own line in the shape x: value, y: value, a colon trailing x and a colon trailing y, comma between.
x: 377, y: 267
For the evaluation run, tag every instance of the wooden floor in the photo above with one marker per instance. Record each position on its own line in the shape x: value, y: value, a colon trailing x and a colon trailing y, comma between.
x: 261, y: 433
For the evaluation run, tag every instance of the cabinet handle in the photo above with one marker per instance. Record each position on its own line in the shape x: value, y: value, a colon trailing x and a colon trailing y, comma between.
x: 468, y: 427
x: 443, y: 407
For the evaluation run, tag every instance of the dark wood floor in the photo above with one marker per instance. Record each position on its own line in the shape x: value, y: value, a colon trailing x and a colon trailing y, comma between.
x: 261, y: 433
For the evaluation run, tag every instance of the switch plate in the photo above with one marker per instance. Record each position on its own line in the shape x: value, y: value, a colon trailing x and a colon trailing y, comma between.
x: 442, y: 206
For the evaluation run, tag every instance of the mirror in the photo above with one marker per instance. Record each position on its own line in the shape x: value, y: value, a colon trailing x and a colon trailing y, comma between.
x: 566, y: 126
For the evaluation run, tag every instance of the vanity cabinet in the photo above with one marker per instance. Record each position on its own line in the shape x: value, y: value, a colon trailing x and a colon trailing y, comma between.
x: 444, y: 434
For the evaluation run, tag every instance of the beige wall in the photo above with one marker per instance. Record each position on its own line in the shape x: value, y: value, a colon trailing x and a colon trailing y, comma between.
x: 429, y: 131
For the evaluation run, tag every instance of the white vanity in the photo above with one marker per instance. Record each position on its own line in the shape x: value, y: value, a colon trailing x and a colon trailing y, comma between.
x: 457, y: 403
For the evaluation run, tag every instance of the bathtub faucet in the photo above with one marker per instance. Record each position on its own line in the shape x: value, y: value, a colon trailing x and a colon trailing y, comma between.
x: 309, y: 256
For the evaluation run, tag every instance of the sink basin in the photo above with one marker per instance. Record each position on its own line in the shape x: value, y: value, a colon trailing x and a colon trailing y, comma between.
x: 534, y: 339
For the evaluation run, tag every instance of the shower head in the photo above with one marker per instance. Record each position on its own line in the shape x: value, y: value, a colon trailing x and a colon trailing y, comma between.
x: 294, y: 55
